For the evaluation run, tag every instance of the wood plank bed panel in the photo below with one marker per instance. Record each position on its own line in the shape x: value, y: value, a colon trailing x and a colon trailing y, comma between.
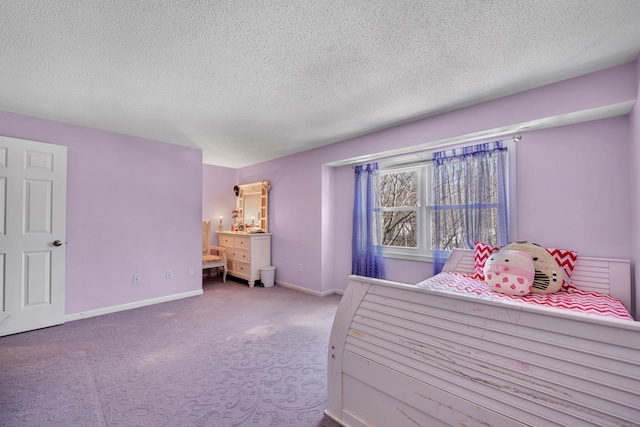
x: 393, y: 400
x: 465, y: 361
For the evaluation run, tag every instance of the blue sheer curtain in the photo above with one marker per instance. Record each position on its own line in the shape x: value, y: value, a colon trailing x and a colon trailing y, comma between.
x: 470, y: 199
x: 366, y: 251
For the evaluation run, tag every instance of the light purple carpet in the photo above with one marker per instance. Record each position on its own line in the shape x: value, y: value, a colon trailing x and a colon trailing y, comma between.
x: 235, y: 356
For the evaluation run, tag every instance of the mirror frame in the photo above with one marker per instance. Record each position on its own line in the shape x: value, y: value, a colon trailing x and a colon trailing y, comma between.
x: 257, y: 188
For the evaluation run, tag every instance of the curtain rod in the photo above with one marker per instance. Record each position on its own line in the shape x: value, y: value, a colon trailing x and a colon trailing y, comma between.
x: 451, y: 145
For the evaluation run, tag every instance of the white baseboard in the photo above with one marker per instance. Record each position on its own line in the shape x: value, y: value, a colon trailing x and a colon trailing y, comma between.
x: 129, y: 306
x: 309, y: 291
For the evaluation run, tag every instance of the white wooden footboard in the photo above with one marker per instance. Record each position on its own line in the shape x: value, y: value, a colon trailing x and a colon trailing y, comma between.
x: 404, y: 356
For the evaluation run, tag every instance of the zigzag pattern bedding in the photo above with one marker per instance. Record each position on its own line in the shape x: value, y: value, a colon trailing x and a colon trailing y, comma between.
x: 570, y: 298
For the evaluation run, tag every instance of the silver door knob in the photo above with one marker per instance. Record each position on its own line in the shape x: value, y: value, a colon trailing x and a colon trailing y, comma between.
x: 57, y: 243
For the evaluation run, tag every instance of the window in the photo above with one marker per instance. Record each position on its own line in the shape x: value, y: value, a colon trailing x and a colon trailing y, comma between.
x: 404, y: 209
x: 407, y: 206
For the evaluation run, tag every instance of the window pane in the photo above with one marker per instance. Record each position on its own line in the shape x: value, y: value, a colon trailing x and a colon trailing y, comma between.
x: 399, y: 189
x: 454, y: 222
x: 399, y: 228
x: 458, y: 183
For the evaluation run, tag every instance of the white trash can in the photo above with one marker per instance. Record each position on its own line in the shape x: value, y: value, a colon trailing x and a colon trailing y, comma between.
x: 267, y: 276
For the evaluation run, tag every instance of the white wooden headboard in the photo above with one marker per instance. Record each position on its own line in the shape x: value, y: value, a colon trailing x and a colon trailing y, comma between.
x: 608, y: 276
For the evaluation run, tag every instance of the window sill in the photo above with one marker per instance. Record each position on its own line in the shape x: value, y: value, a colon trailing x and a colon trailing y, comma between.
x: 408, y: 257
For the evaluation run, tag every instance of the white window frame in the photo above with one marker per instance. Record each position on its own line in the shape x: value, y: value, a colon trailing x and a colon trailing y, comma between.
x: 423, y: 212
x: 423, y: 250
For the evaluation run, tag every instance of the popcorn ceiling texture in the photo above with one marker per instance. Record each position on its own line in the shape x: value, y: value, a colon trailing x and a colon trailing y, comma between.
x: 249, y: 81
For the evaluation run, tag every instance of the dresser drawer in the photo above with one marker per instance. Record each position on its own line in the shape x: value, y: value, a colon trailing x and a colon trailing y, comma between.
x: 242, y: 268
x: 225, y: 240
x: 241, y: 242
x: 238, y: 254
x: 243, y: 256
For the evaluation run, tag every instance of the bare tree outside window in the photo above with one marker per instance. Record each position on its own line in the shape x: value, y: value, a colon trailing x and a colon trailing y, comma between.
x: 399, y: 198
x: 456, y: 193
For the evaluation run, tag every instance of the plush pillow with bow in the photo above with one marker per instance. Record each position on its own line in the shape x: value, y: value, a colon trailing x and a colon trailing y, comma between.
x: 548, y: 274
x: 509, y: 272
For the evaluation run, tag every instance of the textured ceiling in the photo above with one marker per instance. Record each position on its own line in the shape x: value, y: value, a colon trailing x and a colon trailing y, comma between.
x: 248, y: 81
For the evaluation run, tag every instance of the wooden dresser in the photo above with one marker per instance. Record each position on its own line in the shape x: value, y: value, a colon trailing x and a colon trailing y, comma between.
x: 246, y: 253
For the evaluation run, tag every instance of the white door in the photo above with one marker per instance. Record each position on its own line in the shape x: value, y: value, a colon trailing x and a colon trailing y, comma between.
x: 33, y: 193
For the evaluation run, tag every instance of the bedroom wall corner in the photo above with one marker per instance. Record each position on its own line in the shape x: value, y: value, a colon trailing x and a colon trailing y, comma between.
x: 327, y: 229
x: 218, y: 199
x: 634, y: 136
x: 295, y: 216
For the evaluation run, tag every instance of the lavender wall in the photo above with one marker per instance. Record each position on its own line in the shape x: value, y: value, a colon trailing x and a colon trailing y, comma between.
x: 133, y: 207
x: 302, y: 183
x: 218, y: 198
x: 634, y: 158
x: 573, y: 187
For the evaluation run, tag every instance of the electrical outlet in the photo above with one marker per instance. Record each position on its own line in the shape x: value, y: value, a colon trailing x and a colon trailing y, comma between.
x: 169, y: 274
x: 137, y: 279
x: 190, y: 271
x: 300, y: 268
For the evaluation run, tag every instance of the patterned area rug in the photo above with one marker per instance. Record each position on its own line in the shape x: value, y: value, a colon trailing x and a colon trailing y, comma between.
x: 235, y: 356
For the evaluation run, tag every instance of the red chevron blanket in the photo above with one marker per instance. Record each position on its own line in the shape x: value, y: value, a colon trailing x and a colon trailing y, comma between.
x: 570, y: 298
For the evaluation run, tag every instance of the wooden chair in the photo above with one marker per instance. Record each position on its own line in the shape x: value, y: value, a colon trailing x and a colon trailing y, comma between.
x: 212, y: 256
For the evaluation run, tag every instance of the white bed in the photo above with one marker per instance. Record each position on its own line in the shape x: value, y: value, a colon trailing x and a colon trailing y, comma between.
x: 400, y: 355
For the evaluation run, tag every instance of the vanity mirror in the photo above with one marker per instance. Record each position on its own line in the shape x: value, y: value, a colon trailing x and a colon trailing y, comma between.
x: 252, y: 205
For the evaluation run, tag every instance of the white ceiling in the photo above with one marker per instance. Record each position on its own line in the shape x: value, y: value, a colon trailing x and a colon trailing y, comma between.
x: 248, y: 81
